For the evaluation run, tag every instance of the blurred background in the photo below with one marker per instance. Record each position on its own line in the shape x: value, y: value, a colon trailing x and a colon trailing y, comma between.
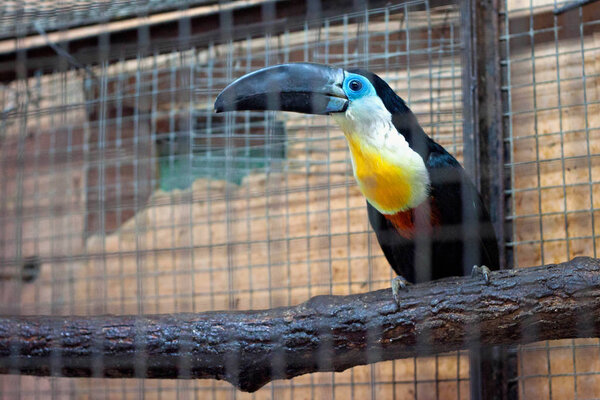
x: 122, y: 192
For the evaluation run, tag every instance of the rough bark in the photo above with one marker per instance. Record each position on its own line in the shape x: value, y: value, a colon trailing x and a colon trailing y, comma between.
x: 327, y: 333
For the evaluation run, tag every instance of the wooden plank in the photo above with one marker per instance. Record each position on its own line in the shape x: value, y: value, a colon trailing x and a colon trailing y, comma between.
x: 177, y: 35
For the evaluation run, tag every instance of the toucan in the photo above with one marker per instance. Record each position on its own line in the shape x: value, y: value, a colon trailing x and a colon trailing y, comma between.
x: 427, y: 214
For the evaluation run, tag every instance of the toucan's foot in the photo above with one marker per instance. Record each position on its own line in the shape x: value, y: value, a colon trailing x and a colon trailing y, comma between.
x: 481, y: 271
x: 399, y: 284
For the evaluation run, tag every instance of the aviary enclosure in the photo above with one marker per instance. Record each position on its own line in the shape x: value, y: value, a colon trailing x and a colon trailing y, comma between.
x: 123, y: 193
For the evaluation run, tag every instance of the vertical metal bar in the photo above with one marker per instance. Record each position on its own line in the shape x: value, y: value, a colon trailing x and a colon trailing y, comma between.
x: 345, y: 44
x: 209, y: 222
x: 584, y: 77
x: 21, y: 68
x: 484, y: 158
x: 193, y: 66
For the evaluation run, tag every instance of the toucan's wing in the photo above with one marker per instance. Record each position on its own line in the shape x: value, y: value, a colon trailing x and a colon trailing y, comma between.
x: 461, y: 208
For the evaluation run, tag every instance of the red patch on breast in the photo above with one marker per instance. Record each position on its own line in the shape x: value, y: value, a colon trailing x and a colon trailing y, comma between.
x: 425, y: 217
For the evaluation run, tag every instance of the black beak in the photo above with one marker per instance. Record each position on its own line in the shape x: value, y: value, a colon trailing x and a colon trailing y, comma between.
x: 300, y: 87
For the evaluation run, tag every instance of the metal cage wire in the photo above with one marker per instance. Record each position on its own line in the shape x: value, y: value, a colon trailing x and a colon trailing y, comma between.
x: 551, y: 126
x: 94, y: 199
x: 136, y: 198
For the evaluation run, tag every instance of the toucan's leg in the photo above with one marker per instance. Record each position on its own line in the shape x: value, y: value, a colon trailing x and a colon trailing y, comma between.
x: 398, y: 284
x: 481, y: 271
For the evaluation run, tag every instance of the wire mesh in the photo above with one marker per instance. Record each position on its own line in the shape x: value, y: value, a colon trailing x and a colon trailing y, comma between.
x: 134, y: 197
x: 551, y: 113
x: 137, y: 198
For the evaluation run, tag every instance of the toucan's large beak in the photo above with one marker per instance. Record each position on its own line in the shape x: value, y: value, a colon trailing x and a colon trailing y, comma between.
x: 300, y: 87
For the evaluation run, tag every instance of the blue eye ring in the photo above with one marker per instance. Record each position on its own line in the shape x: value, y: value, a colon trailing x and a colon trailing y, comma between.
x: 355, y: 85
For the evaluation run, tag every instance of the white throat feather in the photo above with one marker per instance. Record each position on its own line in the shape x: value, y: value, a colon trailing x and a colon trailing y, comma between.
x: 391, y: 175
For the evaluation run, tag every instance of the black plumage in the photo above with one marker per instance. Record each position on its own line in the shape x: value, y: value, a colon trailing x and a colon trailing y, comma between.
x: 464, y: 236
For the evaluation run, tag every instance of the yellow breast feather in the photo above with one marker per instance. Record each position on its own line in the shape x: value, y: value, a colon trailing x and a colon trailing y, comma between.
x: 380, y: 177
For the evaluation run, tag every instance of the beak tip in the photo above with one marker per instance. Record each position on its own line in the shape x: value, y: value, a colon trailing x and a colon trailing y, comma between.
x: 219, y: 106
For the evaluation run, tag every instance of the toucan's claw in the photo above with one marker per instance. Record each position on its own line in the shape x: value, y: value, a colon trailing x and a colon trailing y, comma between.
x: 481, y: 271
x: 399, y: 284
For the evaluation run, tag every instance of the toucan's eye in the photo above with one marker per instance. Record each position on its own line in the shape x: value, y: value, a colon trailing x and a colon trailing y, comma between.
x: 355, y: 85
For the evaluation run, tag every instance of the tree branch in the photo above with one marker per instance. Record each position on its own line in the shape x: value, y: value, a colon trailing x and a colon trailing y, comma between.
x: 327, y: 333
